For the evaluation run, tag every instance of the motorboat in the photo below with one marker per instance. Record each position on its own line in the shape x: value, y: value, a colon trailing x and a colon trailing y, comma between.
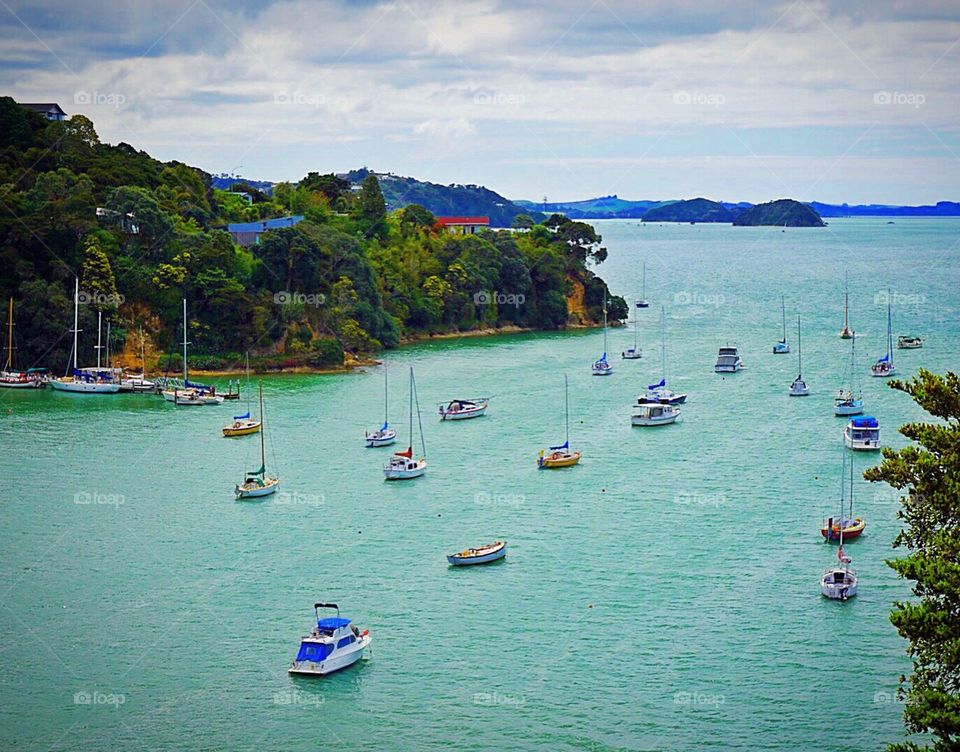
x: 481, y: 555
x: 463, y: 409
x: 333, y: 644
x: 654, y: 415
x: 909, y: 343
x: 862, y: 434
x: 728, y: 361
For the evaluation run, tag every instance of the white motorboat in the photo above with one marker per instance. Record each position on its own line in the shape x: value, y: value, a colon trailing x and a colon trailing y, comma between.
x: 847, y: 402
x: 634, y: 353
x: 799, y: 387
x: 602, y: 367
x: 728, y: 361
x: 383, y: 436
x: 781, y: 347
x: 905, y: 342
x: 884, y: 366
x: 862, y: 434
x: 257, y: 483
x: 481, y: 555
x: 333, y: 644
x: 463, y: 409
x: 654, y: 415
x: 402, y: 465
x: 86, y: 380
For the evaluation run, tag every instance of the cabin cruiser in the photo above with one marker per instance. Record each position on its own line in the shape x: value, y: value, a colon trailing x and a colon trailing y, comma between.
x: 334, y: 643
x: 728, y: 361
x: 909, y: 343
x: 862, y: 434
x: 462, y: 409
x: 402, y: 466
x: 383, y: 436
x: 654, y: 415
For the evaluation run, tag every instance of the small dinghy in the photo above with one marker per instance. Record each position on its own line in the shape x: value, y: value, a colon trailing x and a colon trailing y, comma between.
x: 463, y: 409
x: 481, y: 555
x: 862, y: 434
x: 334, y: 643
x: 909, y: 343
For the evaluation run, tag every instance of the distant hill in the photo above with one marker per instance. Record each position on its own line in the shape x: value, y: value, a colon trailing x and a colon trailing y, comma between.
x: 784, y: 212
x: 604, y: 207
x: 941, y: 209
x: 445, y: 200
x: 691, y: 210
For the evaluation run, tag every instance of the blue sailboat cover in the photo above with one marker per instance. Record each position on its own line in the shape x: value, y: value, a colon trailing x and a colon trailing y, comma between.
x: 662, y: 383
x: 245, y: 416
x: 884, y: 359
x: 564, y: 445
x: 866, y: 421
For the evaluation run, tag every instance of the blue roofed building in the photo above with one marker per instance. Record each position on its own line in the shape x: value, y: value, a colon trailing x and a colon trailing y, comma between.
x: 250, y: 233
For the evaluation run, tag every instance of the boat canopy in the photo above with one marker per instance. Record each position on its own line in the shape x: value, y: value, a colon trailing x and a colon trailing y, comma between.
x: 314, y: 651
x: 662, y: 383
x: 564, y: 445
x: 865, y: 421
x: 332, y: 622
x: 245, y: 416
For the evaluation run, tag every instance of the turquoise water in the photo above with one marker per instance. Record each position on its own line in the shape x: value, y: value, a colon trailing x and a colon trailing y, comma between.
x: 662, y: 595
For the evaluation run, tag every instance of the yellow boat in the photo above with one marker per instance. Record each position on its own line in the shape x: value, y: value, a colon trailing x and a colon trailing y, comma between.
x: 560, y: 456
x: 242, y: 426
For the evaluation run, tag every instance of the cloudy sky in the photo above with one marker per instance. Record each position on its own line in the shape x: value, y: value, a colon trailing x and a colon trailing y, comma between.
x: 747, y: 100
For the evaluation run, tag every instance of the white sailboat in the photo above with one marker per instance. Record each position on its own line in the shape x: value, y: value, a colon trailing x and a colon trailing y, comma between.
x: 634, y: 353
x: 383, y: 436
x: 258, y: 483
x: 884, y: 366
x: 781, y: 347
x: 189, y: 394
x: 847, y: 402
x: 799, y: 387
x: 137, y: 382
x: 84, y: 380
x: 659, y: 393
x: 846, y: 333
x: 643, y: 303
x: 603, y: 367
x: 839, y: 582
x: 402, y: 465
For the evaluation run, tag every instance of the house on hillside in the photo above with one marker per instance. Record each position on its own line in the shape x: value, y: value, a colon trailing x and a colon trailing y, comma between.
x: 463, y: 225
x: 250, y: 233
x: 50, y: 110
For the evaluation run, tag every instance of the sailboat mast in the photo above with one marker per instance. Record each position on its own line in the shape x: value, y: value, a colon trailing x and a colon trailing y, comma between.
x: 9, y: 338
x: 386, y: 395
x: 423, y: 441
x: 263, y: 458
x: 108, y: 343
x: 663, y: 343
x: 410, y: 434
x: 566, y: 410
x: 889, y: 329
x: 185, y: 344
x: 799, y: 351
x: 604, y: 324
x: 846, y: 298
x: 783, y: 316
x: 99, y: 346
x: 636, y: 331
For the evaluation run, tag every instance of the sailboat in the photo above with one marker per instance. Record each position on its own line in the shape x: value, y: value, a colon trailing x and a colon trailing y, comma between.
x: 799, y: 387
x: 602, y: 367
x: 402, y: 466
x: 257, y: 483
x: 634, y: 353
x: 84, y: 380
x: 658, y: 393
x: 189, y: 394
x: 243, y: 425
x: 782, y: 348
x: 839, y: 582
x: 846, y: 333
x: 884, y: 366
x: 846, y: 402
x: 11, y: 378
x: 849, y: 527
x: 384, y: 435
x: 643, y: 303
x: 136, y: 382
x: 561, y: 456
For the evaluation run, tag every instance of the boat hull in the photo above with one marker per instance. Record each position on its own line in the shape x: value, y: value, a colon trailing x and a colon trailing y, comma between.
x: 558, y: 460
x: 405, y: 473
x: 728, y: 369
x: 601, y: 371
x: 781, y: 349
x: 270, y: 486
x: 465, y: 561
x: 230, y: 431
x: 839, y: 591
x: 337, y: 661
x: 861, y: 445
x: 882, y: 371
x: 799, y: 389
x: 22, y: 384
x: 849, y: 532
x: 640, y: 421
x: 385, y: 439
x: 466, y: 414
x: 84, y: 387
x: 631, y: 354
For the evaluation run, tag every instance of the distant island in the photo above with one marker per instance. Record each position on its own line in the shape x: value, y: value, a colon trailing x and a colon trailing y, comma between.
x: 782, y: 213
x: 692, y: 210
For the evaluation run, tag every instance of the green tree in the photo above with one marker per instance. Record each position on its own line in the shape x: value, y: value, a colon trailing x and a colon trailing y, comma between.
x: 371, y: 211
x: 929, y: 474
x: 96, y: 277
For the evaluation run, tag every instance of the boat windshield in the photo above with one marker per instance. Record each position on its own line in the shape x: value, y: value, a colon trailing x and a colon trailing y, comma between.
x: 314, y: 651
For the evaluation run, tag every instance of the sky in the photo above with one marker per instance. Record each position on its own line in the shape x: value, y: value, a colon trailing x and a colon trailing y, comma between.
x: 852, y: 101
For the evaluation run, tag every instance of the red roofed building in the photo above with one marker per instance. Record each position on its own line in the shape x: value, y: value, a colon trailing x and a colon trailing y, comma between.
x: 463, y: 225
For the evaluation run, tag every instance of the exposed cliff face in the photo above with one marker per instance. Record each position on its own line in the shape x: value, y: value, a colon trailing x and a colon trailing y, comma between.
x: 576, y: 310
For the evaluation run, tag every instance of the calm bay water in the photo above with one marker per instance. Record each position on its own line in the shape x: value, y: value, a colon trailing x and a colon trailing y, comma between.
x: 662, y: 595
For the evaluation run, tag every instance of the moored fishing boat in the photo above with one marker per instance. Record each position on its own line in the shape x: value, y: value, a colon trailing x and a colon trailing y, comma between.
x: 463, y: 409
x: 862, y: 434
x: 728, y: 360
x: 562, y: 455
x: 654, y: 415
x: 905, y: 342
x: 333, y: 644
x: 402, y: 465
x: 480, y: 555
x: 257, y: 483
